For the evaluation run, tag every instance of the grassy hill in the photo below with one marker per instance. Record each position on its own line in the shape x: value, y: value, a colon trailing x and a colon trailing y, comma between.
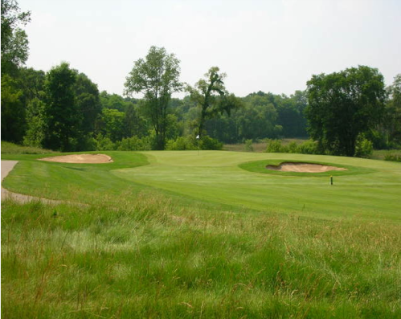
x: 200, y: 235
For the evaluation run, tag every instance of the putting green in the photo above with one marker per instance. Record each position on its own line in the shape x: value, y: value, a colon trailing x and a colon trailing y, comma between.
x: 372, y: 191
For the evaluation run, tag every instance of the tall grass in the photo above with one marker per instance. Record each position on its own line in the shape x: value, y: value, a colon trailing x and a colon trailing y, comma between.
x: 152, y: 258
x: 11, y: 148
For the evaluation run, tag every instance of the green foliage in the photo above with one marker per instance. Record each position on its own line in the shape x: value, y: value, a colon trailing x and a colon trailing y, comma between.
x: 275, y: 146
x: 392, y: 123
x: 364, y: 147
x: 87, y: 102
x: 62, y: 116
x: 342, y: 106
x: 13, y: 120
x: 104, y: 143
x: 308, y: 147
x: 182, y: 144
x: 36, y: 129
x: 14, y: 41
x: 212, y: 98
x: 293, y: 147
x: 135, y: 143
x: 209, y: 143
x: 134, y: 124
x: 157, y: 77
x: 111, y: 124
x: 190, y: 143
x: 248, y: 146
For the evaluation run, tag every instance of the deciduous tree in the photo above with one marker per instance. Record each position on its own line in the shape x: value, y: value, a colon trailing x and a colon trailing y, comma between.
x: 157, y: 77
x: 212, y: 97
x: 344, y: 105
x: 14, y: 41
x: 62, y: 116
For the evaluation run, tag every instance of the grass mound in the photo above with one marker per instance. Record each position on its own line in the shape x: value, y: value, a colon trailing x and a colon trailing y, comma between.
x: 260, y: 167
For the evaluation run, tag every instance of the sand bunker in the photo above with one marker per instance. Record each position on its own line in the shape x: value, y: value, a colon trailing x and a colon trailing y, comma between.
x: 304, y: 168
x: 80, y: 159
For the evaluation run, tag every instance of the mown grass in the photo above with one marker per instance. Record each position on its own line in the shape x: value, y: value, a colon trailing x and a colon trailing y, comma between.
x: 156, y: 259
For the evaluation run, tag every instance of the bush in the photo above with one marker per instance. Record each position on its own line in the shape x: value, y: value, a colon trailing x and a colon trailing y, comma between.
x: 104, y: 144
x: 181, y: 144
x: 135, y: 143
x: 248, y: 146
x: 293, y: 147
x: 364, y: 147
x: 308, y: 147
x: 274, y: 146
x: 208, y: 143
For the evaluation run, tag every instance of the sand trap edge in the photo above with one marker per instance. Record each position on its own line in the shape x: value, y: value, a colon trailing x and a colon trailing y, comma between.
x: 79, y: 159
x: 300, y: 167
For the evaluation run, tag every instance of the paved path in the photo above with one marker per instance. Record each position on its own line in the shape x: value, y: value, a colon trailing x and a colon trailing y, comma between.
x: 6, y: 167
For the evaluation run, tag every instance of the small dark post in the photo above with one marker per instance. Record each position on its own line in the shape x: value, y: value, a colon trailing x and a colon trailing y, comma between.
x: 331, y: 179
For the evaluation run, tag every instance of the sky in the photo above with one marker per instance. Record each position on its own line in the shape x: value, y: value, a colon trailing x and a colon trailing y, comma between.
x: 272, y: 45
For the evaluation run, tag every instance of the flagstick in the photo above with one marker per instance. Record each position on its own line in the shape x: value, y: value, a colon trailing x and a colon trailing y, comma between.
x: 197, y: 138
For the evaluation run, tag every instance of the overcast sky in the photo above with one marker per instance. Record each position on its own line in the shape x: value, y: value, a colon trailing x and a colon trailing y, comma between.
x: 271, y: 45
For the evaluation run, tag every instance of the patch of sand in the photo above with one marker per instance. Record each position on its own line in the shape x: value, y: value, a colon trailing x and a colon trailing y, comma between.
x: 304, y: 168
x: 79, y: 159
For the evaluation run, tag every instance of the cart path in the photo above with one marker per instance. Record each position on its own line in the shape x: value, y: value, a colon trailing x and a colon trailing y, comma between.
x: 6, y: 167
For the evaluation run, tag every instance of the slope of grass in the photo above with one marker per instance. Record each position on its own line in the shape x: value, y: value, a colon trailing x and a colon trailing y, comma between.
x: 81, y: 182
x: 11, y: 148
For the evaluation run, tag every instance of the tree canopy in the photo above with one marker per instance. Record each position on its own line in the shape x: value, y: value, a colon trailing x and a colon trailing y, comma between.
x: 157, y: 77
x: 62, y: 116
x: 211, y: 97
x: 14, y: 41
x: 343, y: 105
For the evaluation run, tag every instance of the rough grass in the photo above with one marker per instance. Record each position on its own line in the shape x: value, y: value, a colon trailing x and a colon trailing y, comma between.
x: 260, y: 147
x: 159, y: 260
x: 11, y: 148
x: 382, y: 154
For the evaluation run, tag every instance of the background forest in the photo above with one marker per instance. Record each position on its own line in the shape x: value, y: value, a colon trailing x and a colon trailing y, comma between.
x: 62, y: 109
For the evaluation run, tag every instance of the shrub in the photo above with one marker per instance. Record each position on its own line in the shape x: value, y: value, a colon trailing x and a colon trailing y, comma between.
x: 104, y: 144
x: 248, y: 146
x: 274, y: 146
x: 364, y: 147
x: 181, y: 144
x: 208, y: 143
x: 135, y: 143
x: 293, y: 147
x: 308, y: 147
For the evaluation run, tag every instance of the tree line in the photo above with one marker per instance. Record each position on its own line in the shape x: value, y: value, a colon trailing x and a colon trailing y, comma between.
x: 62, y: 109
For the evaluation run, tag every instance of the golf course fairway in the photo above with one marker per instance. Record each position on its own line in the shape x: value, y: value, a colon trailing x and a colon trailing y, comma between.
x: 368, y: 189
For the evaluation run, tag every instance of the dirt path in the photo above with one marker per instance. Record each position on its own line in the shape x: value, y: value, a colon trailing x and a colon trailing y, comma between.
x: 6, y: 167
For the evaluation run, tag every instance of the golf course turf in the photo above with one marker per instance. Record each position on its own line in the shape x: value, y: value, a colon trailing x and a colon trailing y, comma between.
x: 206, y: 234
